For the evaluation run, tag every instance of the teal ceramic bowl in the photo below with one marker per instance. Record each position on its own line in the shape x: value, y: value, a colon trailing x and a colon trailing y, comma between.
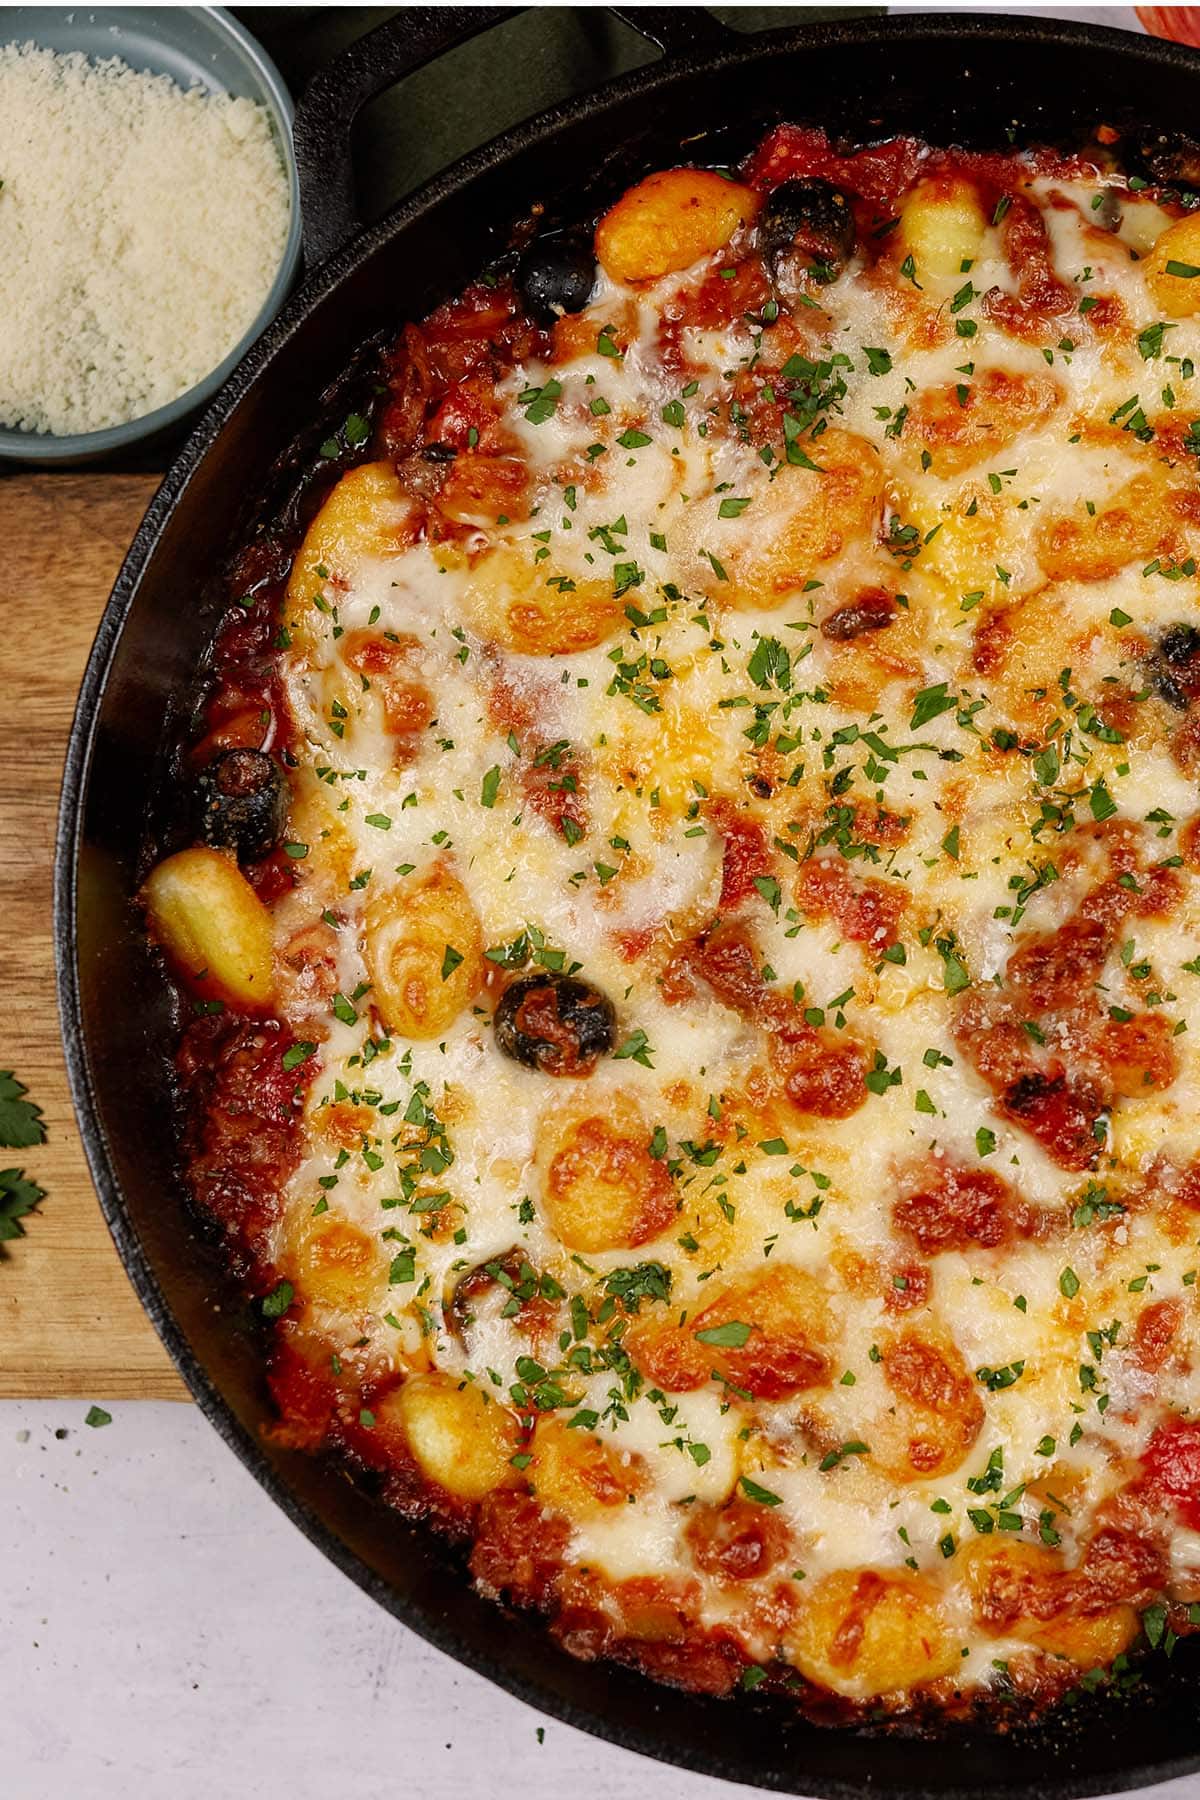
x: 192, y: 44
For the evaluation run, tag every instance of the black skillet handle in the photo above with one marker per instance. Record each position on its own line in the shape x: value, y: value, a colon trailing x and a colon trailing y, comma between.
x: 677, y: 30
x: 336, y: 95
x: 407, y: 41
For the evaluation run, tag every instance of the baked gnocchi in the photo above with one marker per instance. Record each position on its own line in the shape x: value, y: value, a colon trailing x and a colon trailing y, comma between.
x: 458, y: 1434
x: 423, y: 951
x: 687, y: 947
x: 670, y: 221
x: 213, y: 926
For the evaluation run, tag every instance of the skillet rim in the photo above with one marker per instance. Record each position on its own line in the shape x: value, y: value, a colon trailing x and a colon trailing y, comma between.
x: 969, y: 29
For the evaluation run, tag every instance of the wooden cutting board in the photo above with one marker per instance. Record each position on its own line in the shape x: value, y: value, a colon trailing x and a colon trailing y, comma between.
x: 70, y: 1324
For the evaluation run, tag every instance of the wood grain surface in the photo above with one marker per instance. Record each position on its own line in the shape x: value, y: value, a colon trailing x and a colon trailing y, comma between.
x: 70, y: 1324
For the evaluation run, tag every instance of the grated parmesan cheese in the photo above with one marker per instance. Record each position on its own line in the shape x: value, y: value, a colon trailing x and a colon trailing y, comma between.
x: 141, y: 227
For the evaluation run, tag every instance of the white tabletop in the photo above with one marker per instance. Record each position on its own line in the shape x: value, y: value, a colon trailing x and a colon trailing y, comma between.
x: 165, y: 1633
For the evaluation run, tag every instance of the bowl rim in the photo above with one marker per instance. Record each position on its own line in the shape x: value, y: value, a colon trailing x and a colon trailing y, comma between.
x: 48, y: 448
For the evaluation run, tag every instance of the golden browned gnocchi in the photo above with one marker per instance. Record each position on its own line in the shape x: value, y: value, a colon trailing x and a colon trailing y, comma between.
x: 867, y: 1632
x: 1023, y: 1590
x: 522, y: 606
x: 937, y: 1413
x: 1097, y: 541
x: 601, y: 1187
x: 770, y: 1335
x: 1171, y: 266
x: 669, y: 221
x: 459, y: 1435
x: 366, y: 515
x: 577, y: 1473
x: 811, y: 514
x: 942, y: 226
x: 336, y: 1264
x: 961, y: 424
x: 424, y: 952
x: 211, y: 922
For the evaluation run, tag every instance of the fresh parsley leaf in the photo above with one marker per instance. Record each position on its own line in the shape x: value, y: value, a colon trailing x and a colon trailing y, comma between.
x: 18, y: 1197
x: 1150, y: 341
x: 21, y: 1122
x: 450, y: 961
x: 769, y: 888
x: 540, y: 403
x: 955, y: 973
x: 832, y: 1458
x: 1101, y: 801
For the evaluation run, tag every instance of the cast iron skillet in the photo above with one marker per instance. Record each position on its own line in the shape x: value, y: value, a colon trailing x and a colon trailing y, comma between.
x: 957, y: 79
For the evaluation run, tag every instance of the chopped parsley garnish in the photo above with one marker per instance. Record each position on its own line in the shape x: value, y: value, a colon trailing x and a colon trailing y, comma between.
x: 450, y: 961
x: 636, y: 1048
x: 276, y: 1303
x: 763, y: 1495
x: 731, y: 1336
x: 648, y: 1281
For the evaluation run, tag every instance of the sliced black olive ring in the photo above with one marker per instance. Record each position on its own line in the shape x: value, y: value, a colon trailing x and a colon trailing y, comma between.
x: 511, y: 1271
x: 242, y: 803
x: 1175, y: 667
x: 555, y: 1023
x: 813, y: 219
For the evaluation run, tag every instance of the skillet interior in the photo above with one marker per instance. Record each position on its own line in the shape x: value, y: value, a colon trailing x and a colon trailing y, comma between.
x: 950, y: 79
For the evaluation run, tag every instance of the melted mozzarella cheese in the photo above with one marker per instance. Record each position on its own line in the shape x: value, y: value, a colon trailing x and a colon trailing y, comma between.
x: 675, y: 709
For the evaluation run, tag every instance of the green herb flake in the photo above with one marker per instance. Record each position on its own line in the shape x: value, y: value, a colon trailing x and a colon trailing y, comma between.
x: 763, y: 1495
x: 276, y: 1303
x: 450, y: 961
x: 636, y: 1048
x: 733, y: 1335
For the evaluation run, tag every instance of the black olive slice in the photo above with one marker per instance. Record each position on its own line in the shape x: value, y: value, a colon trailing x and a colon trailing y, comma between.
x: 510, y: 1270
x: 242, y: 803
x: 1165, y: 159
x: 556, y: 275
x: 1175, y: 668
x: 813, y: 218
x: 555, y: 1023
